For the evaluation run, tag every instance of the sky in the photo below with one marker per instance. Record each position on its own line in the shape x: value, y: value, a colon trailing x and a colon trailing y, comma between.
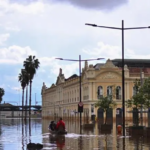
x: 52, y: 29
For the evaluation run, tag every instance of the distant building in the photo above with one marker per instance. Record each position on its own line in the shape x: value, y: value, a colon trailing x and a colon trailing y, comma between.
x: 62, y: 97
x: 9, y: 112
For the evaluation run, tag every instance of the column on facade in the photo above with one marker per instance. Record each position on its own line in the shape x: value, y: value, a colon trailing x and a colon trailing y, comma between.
x: 126, y: 97
x: 90, y: 91
x: 94, y: 95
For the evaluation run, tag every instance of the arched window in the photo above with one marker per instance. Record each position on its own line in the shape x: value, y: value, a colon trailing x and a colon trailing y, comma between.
x: 109, y: 91
x: 118, y: 92
x: 100, y: 92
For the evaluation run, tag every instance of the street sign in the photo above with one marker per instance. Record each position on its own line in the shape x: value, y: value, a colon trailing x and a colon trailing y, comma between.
x: 80, y: 104
x: 80, y: 107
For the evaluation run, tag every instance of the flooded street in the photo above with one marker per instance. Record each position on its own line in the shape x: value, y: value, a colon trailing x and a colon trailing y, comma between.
x: 15, y: 136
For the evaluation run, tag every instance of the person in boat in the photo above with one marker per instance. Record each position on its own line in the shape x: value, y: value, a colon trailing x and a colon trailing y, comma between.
x: 60, y: 123
x: 52, y: 126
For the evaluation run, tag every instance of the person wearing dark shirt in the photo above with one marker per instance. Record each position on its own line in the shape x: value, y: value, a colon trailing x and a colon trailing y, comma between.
x: 60, y: 123
x: 52, y: 126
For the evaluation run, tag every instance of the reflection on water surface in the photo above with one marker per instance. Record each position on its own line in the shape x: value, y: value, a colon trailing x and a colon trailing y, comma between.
x: 15, y: 135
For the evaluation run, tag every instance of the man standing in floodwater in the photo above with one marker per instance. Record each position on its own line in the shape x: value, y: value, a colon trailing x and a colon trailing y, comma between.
x: 60, y: 123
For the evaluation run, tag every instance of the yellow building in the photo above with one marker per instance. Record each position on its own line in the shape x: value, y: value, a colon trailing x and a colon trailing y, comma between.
x: 62, y: 98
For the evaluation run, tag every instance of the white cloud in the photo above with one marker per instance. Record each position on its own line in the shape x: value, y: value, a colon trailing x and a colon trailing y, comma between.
x: 104, y: 51
x: 94, y: 4
x: 131, y: 54
x: 15, y: 88
x: 108, y: 51
x: 3, y: 38
x: 9, y: 87
x: 54, y: 66
x: 10, y: 28
x: 59, y: 30
x: 15, y: 54
x: 68, y: 70
x: 32, y: 8
x: 47, y: 61
x: 15, y: 16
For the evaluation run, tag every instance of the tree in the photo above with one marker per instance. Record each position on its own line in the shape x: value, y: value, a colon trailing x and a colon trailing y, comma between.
x: 106, y: 103
x: 137, y: 101
x: 31, y: 64
x: 24, y: 80
x: 146, y: 92
x: 2, y: 92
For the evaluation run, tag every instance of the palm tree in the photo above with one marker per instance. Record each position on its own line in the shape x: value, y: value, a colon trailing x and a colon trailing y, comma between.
x: 27, y: 83
x: 2, y: 92
x: 31, y: 64
x: 23, y: 78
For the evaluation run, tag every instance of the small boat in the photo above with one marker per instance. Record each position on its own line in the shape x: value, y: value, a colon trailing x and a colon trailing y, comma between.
x: 58, y: 132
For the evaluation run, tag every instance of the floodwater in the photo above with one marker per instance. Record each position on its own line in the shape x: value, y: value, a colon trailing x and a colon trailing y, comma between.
x: 15, y: 136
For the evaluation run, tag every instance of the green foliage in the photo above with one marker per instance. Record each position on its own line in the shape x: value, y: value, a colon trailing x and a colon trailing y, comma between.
x: 146, y: 92
x: 137, y: 84
x: 106, y: 103
x: 141, y: 99
x: 23, y: 78
x: 2, y: 92
x: 31, y: 64
x: 137, y: 100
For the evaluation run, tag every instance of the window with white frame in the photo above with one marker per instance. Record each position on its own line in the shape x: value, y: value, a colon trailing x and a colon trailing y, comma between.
x: 99, y: 92
x: 109, y: 91
x: 134, y: 91
x: 118, y: 92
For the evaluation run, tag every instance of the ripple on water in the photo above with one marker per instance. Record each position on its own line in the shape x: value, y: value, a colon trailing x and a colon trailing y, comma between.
x: 11, y: 138
x: 73, y: 135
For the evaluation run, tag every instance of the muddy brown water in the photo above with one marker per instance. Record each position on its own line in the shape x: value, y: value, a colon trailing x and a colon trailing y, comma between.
x: 15, y: 135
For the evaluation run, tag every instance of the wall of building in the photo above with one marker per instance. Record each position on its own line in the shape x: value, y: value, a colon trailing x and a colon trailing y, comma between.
x: 62, y: 98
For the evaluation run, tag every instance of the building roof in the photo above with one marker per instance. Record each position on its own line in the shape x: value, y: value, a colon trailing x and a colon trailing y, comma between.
x: 6, y: 104
x: 98, y: 66
x: 131, y: 63
x: 71, y: 77
x: 139, y: 63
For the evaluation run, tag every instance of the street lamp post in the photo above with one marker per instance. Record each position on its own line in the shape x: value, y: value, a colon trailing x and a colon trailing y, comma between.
x: 80, y: 90
x: 79, y: 79
x: 123, y: 89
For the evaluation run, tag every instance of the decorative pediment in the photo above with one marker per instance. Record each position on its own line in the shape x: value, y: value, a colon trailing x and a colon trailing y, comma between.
x: 90, y: 73
x: 108, y: 64
x: 109, y: 75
